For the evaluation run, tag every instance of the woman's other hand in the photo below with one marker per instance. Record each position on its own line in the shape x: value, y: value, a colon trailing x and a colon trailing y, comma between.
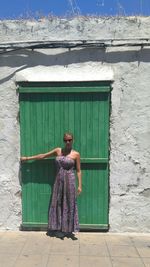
x: 79, y: 190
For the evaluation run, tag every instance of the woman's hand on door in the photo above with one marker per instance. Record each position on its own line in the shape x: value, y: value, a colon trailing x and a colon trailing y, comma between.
x: 24, y: 158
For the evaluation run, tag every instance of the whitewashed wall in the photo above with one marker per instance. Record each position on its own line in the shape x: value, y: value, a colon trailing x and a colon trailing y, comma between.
x: 130, y: 108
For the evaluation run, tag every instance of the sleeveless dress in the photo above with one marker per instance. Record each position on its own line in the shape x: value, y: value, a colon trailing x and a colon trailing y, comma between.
x: 63, y: 213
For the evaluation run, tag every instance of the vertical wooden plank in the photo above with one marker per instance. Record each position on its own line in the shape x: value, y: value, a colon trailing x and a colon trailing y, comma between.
x: 77, y: 124
x: 71, y: 120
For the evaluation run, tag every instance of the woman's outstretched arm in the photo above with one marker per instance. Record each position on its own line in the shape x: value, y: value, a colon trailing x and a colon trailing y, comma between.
x: 55, y: 151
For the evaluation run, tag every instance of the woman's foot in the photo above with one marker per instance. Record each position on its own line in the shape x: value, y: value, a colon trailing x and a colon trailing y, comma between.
x: 60, y: 234
x: 51, y: 233
x: 71, y: 235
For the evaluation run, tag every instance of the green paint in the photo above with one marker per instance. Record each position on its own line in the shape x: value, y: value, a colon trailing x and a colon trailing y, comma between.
x: 43, y: 120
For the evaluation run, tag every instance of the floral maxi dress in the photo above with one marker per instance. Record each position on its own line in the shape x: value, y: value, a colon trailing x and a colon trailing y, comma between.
x: 63, y: 212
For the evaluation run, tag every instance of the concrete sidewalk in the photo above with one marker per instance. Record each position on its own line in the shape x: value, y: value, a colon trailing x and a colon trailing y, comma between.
x: 29, y: 249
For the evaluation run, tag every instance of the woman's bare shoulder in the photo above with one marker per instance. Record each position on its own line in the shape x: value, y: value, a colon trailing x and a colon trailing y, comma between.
x: 58, y: 151
x: 76, y: 153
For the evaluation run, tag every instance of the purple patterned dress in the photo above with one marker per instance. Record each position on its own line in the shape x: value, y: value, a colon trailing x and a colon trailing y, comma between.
x: 63, y: 213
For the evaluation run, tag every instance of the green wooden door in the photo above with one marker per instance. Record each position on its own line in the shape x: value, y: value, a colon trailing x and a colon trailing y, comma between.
x: 46, y: 112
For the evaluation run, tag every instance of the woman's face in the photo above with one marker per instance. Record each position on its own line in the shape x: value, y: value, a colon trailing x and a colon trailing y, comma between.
x: 68, y: 141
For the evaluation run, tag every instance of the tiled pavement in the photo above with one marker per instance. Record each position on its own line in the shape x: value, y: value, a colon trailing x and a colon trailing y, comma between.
x: 30, y: 249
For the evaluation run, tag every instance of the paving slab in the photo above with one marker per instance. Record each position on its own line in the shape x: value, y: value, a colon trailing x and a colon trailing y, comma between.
x: 127, y: 262
x: 37, y: 245
x: 63, y: 260
x: 89, y: 261
x: 21, y: 249
x: 123, y: 251
x: 65, y: 248
x: 31, y: 260
x: 7, y: 260
x: 90, y: 238
x: 141, y: 241
x: 146, y: 262
x: 119, y: 240
x: 144, y: 251
x: 93, y: 250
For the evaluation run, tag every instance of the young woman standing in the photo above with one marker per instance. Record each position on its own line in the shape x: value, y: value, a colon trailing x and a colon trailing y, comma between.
x: 63, y: 212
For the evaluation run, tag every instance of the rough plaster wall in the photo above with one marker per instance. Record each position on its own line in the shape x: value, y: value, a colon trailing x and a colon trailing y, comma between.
x: 10, y: 202
x: 77, y: 28
x: 130, y: 113
x: 130, y: 145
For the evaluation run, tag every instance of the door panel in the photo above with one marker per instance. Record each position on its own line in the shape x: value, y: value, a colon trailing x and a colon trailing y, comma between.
x: 93, y: 203
x: 44, y: 117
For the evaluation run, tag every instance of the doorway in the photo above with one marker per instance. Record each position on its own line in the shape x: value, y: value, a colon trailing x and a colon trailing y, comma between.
x: 47, y: 111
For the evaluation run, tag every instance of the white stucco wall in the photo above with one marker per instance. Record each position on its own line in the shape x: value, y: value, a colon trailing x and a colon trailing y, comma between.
x: 130, y: 112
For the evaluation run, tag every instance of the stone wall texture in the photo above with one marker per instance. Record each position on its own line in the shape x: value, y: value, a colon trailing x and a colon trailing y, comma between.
x: 130, y: 109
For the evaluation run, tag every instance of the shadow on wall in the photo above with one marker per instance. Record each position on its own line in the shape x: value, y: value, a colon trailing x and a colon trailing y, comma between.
x: 23, y: 59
